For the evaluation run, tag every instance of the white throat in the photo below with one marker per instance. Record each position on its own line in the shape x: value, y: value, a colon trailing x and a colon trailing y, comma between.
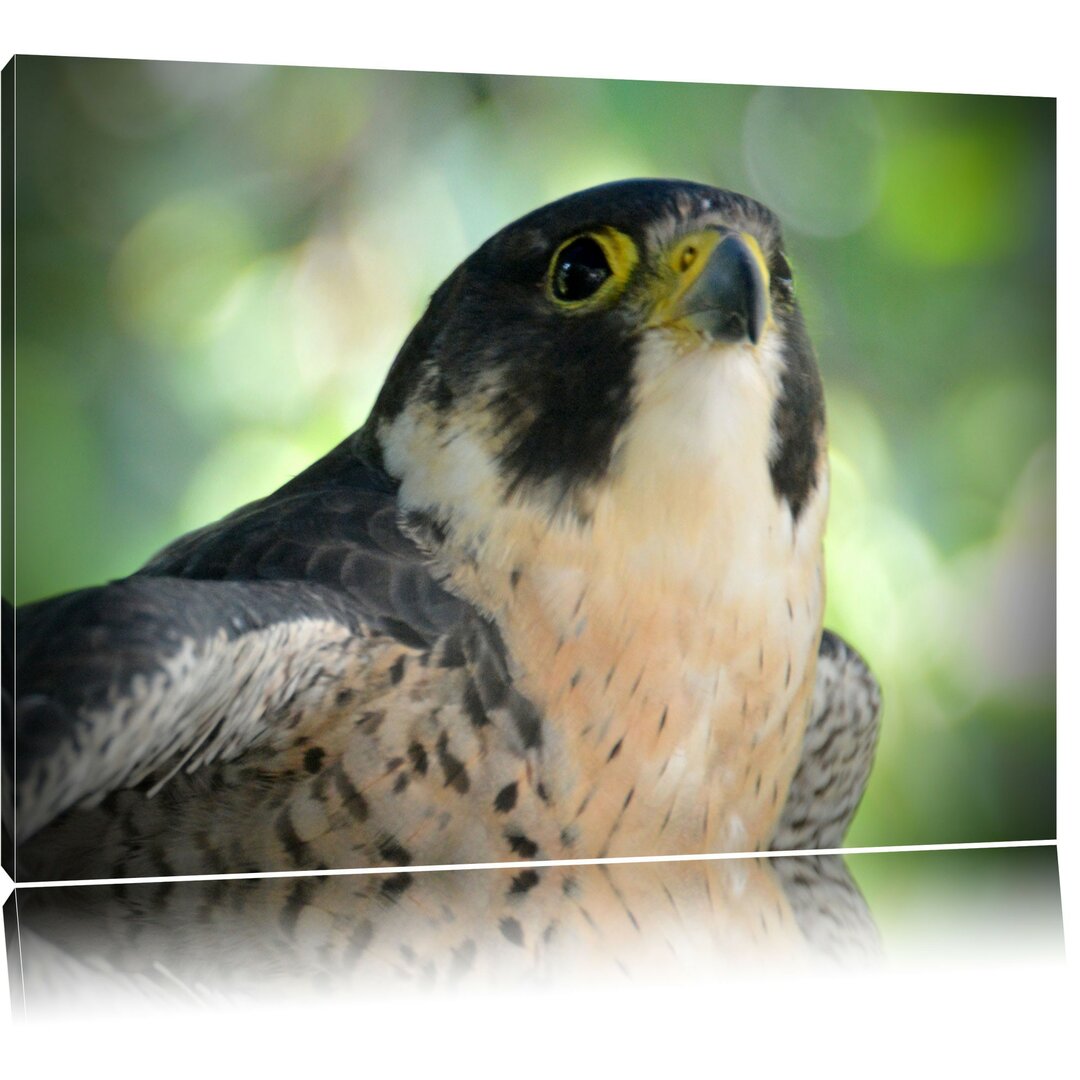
x: 690, y: 595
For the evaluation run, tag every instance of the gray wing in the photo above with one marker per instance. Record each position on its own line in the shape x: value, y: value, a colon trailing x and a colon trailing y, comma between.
x: 838, y: 751
x: 198, y: 655
x: 829, y: 908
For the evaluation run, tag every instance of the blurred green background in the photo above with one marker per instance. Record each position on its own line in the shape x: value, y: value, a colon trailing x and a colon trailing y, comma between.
x: 979, y: 907
x: 216, y: 265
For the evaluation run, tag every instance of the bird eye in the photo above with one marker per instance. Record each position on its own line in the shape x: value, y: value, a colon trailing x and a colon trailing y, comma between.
x: 781, y: 269
x: 579, y: 269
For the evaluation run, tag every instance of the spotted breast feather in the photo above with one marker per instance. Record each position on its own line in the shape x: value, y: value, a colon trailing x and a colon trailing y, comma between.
x: 560, y: 597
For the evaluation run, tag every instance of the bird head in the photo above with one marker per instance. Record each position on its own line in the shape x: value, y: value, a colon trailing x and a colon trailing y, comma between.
x: 630, y: 339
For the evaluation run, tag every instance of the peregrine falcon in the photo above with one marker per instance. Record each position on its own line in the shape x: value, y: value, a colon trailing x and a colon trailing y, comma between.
x: 560, y: 597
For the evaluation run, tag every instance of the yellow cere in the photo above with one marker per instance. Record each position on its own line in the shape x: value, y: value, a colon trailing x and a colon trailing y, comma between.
x: 684, y: 262
x: 686, y: 259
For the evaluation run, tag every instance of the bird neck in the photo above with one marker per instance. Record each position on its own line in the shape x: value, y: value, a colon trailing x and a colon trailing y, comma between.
x: 660, y: 650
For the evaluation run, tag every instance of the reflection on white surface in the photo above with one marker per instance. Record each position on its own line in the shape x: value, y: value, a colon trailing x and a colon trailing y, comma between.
x: 74, y: 949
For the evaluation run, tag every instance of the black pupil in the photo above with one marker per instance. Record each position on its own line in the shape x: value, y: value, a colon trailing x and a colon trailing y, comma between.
x: 580, y: 269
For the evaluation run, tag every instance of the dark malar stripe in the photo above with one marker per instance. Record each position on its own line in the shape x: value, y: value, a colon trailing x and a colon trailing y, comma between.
x: 798, y: 416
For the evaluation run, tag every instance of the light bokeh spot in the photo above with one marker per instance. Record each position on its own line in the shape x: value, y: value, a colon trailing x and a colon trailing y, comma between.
x: 816, y: 157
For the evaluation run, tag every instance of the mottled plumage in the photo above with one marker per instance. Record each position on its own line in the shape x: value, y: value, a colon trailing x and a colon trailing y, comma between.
x: 564, y: 926
x: 561, y: 596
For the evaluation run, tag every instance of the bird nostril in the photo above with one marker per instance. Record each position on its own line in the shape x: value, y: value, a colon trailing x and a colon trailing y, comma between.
x: 688, y: 258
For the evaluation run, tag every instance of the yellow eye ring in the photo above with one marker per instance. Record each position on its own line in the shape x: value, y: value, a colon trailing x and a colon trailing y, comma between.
x: 589, y: 268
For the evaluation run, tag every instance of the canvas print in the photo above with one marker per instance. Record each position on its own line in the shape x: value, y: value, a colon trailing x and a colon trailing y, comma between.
x: 414, y: 469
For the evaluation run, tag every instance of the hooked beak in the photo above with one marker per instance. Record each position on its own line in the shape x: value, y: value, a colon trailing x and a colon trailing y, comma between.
x: 722, y: 290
